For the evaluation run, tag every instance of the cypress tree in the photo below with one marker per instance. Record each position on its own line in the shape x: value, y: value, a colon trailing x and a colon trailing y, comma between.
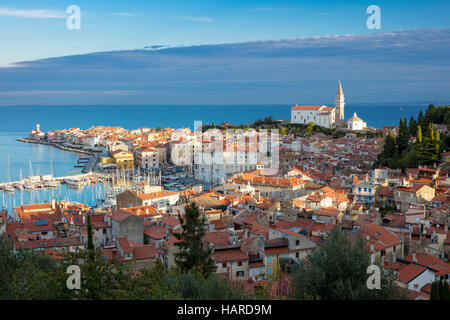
x: 419, y: 133
x: 90, y: 242
x: 403, y: 137
x: 191, y: 250
x: 412, y: 126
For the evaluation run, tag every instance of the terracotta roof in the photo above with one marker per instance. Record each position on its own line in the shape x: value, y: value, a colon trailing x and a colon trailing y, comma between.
x: 307, y: 107
x: 229, y: 255
x: 410, y: 272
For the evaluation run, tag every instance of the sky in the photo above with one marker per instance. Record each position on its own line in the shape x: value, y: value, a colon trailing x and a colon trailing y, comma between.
x: 223, y: 52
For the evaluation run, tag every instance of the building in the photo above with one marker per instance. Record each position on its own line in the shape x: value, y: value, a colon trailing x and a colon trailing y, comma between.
x: 147, y: 158
x: 404, y: 196
x: 356, y: 123
x: 383, y: 244
x: 128, y: 225
x: 339, y: 104
x: 365, y: 193
x: 146, y: 195
x: 123, y: 159
x: 321, y: 115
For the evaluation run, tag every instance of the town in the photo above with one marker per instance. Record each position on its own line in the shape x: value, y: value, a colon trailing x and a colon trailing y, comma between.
x: 260, y: 223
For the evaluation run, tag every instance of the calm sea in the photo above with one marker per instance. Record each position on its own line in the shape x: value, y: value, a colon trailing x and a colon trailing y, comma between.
x: 17, y: 122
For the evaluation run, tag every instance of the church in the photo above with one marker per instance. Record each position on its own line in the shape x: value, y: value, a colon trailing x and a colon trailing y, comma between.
x: 321, y: 115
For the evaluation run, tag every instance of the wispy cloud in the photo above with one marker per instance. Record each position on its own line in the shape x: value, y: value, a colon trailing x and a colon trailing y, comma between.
x: 199, y: 19
x: 34, y: 14
x: 124, y: 14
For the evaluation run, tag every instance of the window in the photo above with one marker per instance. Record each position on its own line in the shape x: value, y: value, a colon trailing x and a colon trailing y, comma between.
x: 269, y: 259
x: 270, y: 271
x: 383, y: 253
x: 239, y: 263
x: 224, y: 265
x: 297, y: 255
x: 297, y: 242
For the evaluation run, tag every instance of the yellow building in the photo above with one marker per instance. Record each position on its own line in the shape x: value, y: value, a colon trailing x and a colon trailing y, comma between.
x: 275, y: 250
x: 123, y: 159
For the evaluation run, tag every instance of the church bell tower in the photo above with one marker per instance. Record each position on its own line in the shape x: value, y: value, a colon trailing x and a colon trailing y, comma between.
x: 339, y: 105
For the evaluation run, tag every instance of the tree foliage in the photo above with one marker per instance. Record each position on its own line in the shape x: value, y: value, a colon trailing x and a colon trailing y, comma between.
x: 191, y: 251
x: 338, y: 271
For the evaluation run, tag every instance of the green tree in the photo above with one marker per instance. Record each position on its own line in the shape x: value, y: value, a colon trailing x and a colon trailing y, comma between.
x: 412, y: 126
x: 338, y: 271
x: 403, y: 137
x: 440, y: 290
x: 191, y: 251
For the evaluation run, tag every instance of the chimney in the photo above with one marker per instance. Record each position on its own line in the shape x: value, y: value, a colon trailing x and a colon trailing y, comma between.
x: 53, y: 203
x: 372, y: 247
x: 414, y: 257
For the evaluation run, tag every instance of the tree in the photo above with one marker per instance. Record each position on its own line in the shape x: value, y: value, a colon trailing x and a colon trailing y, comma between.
x: 191, y: 250
x: 310, y: 127
x: 403, y: 137
x: 101, y: 278
x: 90, y: 242
x: 412, y: 126
x: 419, y: 133
x: 338, y: 271
x: 440, y: 290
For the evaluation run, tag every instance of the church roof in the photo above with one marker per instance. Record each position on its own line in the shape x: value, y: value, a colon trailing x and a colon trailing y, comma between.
x: 354, y: 118
x: 307, y: 107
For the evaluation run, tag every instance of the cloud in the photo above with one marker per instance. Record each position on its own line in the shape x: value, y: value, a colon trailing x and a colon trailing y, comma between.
x: 35, y: 14
x: 394, y: 66
x: 124, y: 14
x: 199, y: 19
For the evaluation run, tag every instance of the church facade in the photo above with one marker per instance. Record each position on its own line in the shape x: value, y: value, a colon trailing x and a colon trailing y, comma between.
x: 321, y: 115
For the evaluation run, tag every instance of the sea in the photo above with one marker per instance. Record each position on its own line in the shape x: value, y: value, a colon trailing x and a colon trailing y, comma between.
x: 18, y: 159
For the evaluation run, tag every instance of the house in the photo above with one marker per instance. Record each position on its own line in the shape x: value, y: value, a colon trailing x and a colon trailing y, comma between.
x: 128, y: 225
x: 274, y: 251
x: 232, y: 263
x: 383, y: 244
x: 364, y: 193
x: 147, y: 158
x: 146, y: 195
x: 415, y: 277
x: 329, y: 214
x: 420, y: 194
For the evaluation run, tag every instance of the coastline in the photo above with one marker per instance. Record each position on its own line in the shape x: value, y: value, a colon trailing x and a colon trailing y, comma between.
x: 57, y: 146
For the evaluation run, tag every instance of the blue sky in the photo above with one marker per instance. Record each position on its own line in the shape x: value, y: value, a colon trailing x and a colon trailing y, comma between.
x: 33, y: 30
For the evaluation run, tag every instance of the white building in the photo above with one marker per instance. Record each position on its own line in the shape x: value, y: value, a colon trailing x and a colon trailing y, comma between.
x: 147, y: 158
x: 321, y: 115
x: 356, y: 123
